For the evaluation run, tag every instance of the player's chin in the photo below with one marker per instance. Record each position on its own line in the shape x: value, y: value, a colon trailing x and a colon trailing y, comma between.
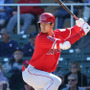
x: 43, y: 31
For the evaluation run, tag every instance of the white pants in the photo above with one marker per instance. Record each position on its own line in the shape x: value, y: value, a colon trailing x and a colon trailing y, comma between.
x: 40, y: 80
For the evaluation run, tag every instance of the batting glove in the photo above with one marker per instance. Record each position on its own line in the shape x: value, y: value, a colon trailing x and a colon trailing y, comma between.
x: 86, y: 28
x: 66, y: 45
x: 79, y: 22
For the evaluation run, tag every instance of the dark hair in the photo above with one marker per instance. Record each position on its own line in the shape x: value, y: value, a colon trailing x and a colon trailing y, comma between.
x: 18, y: 49
x: 33, y: 34
x: 51, y: 23
x: 73, y: 75
x: 77, y: 65
x: 39, y: 24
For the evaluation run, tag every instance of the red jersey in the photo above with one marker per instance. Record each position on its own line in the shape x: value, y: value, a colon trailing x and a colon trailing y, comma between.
x: 47, y: 50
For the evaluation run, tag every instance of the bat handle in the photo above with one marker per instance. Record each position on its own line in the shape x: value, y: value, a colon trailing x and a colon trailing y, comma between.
x: 75, y: 17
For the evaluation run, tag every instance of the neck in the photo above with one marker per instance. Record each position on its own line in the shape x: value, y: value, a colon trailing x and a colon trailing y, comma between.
x: 73, y: 88
x: 75, y: 73
x: 51, y: 33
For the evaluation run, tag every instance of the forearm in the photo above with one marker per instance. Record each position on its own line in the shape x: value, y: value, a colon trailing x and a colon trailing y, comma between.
x: 75, y: 29
x: 75, y: 37
x: 85, y: 28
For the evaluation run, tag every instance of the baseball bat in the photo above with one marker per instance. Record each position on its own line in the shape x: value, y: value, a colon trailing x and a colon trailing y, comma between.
x: 66, y: 8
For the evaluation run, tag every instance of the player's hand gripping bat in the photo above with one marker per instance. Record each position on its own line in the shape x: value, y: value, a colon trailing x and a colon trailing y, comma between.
x: 65, y: 7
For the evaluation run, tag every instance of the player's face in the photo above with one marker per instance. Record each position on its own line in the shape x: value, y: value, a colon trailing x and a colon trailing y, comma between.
x: 46, y: 27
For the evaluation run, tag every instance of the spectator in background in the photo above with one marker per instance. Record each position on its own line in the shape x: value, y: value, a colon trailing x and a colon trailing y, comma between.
x: 75, y: 69
x: 62, y: 14
x: 28, y: 48
x: 7, y: 45
x: 16, y: 61
x: 13, y: 69
x: 72, y: 83
x: 5, y: 12
x: 86, y: 12
x: 27, y: 15
x: 4, y: 85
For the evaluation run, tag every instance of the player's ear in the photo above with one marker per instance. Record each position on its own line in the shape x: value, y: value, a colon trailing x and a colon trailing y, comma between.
x: 52, y: 24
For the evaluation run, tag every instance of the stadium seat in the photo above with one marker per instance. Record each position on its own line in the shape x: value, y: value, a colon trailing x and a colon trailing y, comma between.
x: 21, y: 39
x: 3, y: 60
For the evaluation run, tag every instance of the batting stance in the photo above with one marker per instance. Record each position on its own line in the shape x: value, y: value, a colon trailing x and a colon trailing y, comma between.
x: 48, y: 47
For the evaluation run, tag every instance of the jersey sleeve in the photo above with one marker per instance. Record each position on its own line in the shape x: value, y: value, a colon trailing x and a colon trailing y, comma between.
x: 68, y: 32
x: 48, y: 42
x: 75, y: 37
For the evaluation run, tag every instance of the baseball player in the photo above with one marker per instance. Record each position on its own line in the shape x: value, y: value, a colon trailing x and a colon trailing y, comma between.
x: 48, y: 47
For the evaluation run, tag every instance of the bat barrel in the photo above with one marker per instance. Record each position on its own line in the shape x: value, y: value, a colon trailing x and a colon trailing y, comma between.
x: 66, y: 8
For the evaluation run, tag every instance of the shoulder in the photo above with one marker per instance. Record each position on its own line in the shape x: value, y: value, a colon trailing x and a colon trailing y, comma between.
x: 41, y: 36
x: 81, y: 88
x: 59, y: 30
x: 81, y: 74
x: 13, y: 41
x: 62, y: 30
x: 27, y: 44
x: 67, y: 88
x: 66, y: 75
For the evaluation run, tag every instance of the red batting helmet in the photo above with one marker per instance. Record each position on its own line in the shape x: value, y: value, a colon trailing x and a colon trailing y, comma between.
x: 46, y: 18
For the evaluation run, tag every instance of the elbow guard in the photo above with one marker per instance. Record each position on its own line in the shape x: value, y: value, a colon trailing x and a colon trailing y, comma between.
x: 66, y: 45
